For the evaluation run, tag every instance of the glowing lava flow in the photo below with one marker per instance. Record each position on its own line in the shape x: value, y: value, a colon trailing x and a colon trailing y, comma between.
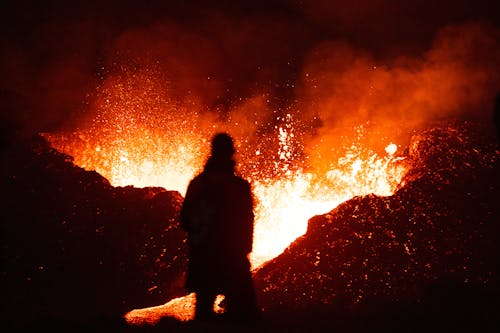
x: 141, y: 137
x: 283, y: 205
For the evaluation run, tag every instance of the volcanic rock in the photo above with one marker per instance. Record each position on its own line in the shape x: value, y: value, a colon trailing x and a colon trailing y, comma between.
x: 440, y: 228
x: 73, y: 246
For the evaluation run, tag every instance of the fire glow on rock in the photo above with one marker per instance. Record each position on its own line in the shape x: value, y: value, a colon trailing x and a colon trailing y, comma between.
x: 283, y: 205
x: 140, y: 136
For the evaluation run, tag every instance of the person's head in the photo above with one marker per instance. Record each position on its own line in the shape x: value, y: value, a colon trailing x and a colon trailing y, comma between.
x: 222, y: 146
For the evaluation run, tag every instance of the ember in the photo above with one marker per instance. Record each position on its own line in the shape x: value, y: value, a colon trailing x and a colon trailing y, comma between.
x: 369, y: 148
x: 133, y: 141
x: 139, y: 137
x: 303, y: 159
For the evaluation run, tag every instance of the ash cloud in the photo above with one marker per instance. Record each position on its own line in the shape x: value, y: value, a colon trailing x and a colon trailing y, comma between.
x: 220, y: 56
x: 358, y: 99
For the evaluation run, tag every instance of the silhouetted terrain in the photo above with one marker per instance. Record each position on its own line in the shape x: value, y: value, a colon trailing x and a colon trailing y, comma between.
x: 431, y: 249
x: 75, y: 249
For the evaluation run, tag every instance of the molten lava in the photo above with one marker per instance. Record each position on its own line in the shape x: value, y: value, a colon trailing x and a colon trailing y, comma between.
x: 284, y: 204
x: 141, y: 137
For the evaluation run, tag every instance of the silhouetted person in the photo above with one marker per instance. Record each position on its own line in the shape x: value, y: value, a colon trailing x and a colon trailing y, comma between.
x: 217, y: 214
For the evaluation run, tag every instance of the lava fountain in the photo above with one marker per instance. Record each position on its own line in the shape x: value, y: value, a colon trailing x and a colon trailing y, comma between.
x: 141, y: 136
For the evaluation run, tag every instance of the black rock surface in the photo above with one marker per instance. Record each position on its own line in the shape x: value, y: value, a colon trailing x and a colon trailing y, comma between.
x: 75, y: 247
x: 440, y: 228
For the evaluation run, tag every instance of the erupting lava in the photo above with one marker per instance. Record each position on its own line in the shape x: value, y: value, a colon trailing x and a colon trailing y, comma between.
x: 284, y: 204
x: 141, y: 137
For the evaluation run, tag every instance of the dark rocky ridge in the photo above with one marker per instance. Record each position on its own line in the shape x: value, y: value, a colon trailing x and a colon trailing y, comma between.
x: 74, y: 247
x: 436, y: 237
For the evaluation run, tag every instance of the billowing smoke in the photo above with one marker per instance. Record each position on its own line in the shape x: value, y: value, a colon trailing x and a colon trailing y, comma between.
x: 163, y: 77
x: 344, y: 72
x: 357, y: 99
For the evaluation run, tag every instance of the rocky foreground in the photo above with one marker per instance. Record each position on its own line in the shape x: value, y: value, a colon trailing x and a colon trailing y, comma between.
x: 77, y: 252
x: 75, y: 247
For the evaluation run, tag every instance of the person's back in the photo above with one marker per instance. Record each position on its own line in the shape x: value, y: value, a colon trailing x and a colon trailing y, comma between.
x: 229, y: 205
x: 218, y: 215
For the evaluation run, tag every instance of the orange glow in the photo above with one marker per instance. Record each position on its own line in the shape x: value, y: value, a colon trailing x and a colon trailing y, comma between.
x: 141, y: 137
x: 338, y: 139
x: 284, y: 204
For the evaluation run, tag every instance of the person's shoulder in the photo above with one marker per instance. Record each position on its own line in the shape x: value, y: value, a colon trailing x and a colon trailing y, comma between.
x: 196, y: 181
x: 197, y: 178
x: 240, y: 181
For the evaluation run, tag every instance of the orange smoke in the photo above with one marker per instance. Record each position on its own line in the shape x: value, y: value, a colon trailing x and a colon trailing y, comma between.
x: 142, y: 138
x: 346, y: 90
x: 341, y: 136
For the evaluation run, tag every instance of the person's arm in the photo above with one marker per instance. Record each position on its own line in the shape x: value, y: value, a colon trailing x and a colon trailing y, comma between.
x: 248, y: 218
x: 186, y: 208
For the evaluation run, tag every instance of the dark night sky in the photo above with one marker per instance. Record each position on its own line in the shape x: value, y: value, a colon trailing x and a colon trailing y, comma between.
x: 52, y: 52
